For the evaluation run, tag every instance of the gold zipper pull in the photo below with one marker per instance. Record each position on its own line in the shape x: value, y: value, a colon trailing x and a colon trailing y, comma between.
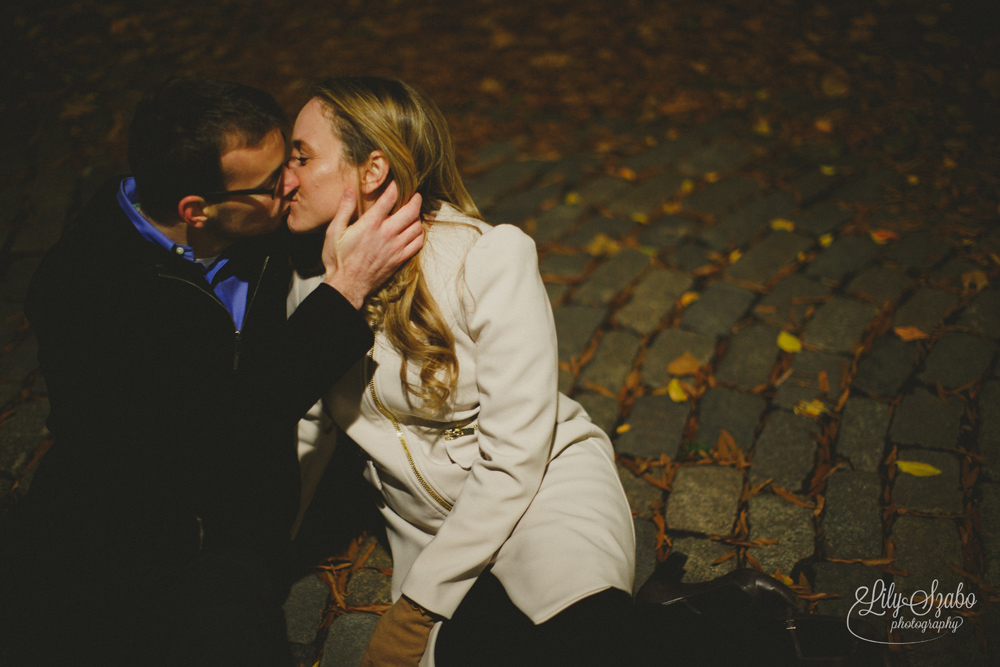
x: 455, y: 433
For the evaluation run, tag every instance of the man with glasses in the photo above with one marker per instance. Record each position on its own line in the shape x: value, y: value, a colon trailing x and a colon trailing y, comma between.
x: 157, y: 525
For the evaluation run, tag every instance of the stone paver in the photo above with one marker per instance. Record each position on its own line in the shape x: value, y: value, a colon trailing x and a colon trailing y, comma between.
x: 611, y: 277
x: 646, y: 198
x: 861, y: 437
x: 881, y: 284
x: 788, y: 302
x: 926, y: 309
x: 612, y: 361
x: 772, y: 517
x: 641, y: 495
x: 847, y: 255
x: 839, y: 324
x: 956, y: 360
x: 554, y: 222
x: 304, y: 609
x: 603, y: 410
x: 762, y: 262
x: 926, y: 547
x: 701, y: 554
x: 823, y: 218
x: 936, y: 494
x: 725, y: 409
x: 717, y: 157
x: 703, y: 499
x: 670, y: 344
x: 750, y: 357
x: 575, y: 326
x: 842, y: 579
x: 652, y: 299
x: 740, y: 226
x: 502, y: 180
x: 347, y: 640
x: 804, y: 382
x: 919, y: 250
x: 989, y: 429
x: 983, y: 314
x: 656, y: 426
x: 887, y: 366
x: 852, y: 526
x: 924, y: 419
x: 785, y: 450
x: 666, y: 232
x: 717, y: 198
x: 718, y: 309
x: 563, y: 265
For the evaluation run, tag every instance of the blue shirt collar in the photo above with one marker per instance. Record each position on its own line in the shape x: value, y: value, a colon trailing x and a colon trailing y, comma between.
x: 129, y: 204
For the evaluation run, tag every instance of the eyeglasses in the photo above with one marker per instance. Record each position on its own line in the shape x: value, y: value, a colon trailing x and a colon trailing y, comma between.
x: 272, y: 191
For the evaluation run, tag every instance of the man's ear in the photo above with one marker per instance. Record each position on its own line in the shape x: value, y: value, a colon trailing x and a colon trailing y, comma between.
x: 374, y: 172
x: 194, y: 211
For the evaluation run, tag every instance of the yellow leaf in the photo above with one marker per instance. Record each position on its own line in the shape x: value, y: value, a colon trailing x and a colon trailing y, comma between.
x: 883, y: 236
x: 490, y: 85
x: 762, y: 127
x: 917, y: 469
x: 824, y: 125
x: 949, y: 163
x: 827, y: 169
x: 671, y: 207
x: 786, y: 580
x: 624, y: 428
x: 687, y: 185
x: 603, y: 245
x: 801, y: 256
x: 627, y: 174
x: 688, y: 298
x: 781, y: 223
x: 734, y: 256
x: 789, y: 343
x: 686, y: 364
x: 676, y: 392
x: 641, y: 218
x: 572, y: 198
x: 974, y: 281
x: 650, y: 141
x: 826, y: 240
x: 711, y: 177
x: 913, y: 179
x: 906, y: 334
x: 812, y: 408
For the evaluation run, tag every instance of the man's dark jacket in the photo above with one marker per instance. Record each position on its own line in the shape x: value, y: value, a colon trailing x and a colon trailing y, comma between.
x: 173, y: 431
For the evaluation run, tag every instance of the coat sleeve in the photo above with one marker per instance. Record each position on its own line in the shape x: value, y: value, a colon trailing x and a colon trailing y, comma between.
x: 510, y: 320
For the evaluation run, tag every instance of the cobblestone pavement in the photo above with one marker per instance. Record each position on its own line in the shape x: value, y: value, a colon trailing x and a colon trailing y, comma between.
x: 791, y: 342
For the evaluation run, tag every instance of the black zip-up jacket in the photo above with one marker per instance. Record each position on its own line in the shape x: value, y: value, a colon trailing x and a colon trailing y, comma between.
x: 173, y: 431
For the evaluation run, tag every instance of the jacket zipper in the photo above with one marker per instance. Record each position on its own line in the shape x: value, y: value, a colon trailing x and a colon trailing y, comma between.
x: 238, y: 335
x: 402, y: 440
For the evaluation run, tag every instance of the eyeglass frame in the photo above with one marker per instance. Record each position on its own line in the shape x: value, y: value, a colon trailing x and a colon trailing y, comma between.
x: 273, y: 191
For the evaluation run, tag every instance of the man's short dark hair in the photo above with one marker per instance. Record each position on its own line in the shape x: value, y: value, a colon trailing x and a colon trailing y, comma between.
x: 181, y: 129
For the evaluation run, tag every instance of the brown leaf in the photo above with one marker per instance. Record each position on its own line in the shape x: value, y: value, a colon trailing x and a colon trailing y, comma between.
x: 906, y: 334
x: 686, y: 364
x: 824, y: 382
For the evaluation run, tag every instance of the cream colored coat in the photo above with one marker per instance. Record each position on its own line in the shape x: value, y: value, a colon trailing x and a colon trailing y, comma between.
x: 533, y: 489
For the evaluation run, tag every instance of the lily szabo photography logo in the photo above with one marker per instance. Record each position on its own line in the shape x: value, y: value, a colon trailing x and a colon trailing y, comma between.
x: 930, y: 611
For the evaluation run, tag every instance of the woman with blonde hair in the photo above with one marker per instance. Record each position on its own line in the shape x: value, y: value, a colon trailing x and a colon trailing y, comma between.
x: 511, y: 537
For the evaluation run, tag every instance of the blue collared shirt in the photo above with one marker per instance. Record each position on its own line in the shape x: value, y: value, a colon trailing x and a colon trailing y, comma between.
x: 231, y: 290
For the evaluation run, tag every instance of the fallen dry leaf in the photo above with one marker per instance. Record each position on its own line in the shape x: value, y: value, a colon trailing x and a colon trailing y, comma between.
x: 883, y: 236
x: 686, y: 364
x: 781, y: 223
x: 917, y: 469
x: 676, y: 391
x: 906, y: 334
x: 812, y: 408
x: 789, y: 343
x: 603, y: 244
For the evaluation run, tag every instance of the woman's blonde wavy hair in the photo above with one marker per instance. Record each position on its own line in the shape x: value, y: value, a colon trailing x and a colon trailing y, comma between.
x: 375, y: 113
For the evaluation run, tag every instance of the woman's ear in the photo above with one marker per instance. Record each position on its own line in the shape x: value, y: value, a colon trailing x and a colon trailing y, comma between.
x: 374, y: 172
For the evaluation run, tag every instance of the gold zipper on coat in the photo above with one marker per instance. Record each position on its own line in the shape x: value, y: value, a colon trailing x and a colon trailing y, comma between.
x: 402, y: 440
